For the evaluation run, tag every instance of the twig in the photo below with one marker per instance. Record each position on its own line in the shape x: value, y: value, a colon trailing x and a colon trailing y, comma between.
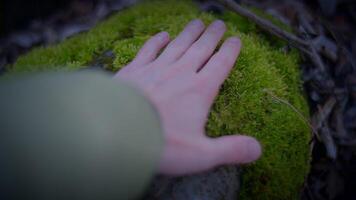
x: 306, y: 46
x: 303, y: 45
x: 267, y: 25
x: 323, y: 113
x: 319, y: 121
x: 315, y: 58
x: 301, y: 116
x: 328, y: 141
x: 340, y: 44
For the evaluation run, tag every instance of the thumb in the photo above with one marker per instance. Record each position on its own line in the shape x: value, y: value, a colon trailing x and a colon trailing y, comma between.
x: 234, y: 149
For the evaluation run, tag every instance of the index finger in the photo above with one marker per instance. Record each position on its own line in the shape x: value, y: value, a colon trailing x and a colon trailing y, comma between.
x: 220, y: 64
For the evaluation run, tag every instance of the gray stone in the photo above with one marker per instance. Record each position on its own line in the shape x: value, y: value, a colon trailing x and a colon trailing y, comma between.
x: 219, y: 184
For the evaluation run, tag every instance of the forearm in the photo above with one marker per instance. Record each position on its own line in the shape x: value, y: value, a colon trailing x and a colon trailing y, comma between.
x: 76, y: 136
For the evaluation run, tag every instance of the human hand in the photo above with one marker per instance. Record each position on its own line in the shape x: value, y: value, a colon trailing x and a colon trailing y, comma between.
x: 182, y: 83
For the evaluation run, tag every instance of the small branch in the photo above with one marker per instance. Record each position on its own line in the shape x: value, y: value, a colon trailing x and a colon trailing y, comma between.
x: 323, y: 113
x: 304, y: 46
x: 267, y: 25
x: 328, y: 141
x: 319, y: 128
x: 301, y: 116
x: 315, y: 58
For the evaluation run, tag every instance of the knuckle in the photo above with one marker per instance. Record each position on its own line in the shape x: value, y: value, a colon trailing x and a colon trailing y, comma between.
x: 177, y: 46
x: 200, y: 49
x: 204, y: 86
x: 224, y: 61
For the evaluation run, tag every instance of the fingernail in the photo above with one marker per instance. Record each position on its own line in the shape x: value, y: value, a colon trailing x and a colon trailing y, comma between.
x: 196, y: 22
x: 234, y: 40
x: 162, y: 35
x: 254, y: 150
x: 219, y: 24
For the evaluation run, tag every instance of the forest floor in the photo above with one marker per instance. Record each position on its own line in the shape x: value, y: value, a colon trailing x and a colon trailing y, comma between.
x: 330, y: 83
x: 328, y: 73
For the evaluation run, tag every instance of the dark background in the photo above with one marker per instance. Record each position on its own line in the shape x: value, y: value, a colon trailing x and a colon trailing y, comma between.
x: 18, y: 14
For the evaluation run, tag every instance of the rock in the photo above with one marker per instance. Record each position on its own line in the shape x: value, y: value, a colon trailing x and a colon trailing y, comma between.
x: 220, y: 183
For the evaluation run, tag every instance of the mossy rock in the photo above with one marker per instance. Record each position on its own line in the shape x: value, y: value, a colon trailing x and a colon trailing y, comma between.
x: 252, y: 101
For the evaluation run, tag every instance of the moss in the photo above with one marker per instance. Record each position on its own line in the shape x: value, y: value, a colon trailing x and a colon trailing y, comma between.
x: 246, y: 103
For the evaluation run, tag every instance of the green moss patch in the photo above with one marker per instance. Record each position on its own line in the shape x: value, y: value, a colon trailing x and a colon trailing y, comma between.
x: 248, y: 101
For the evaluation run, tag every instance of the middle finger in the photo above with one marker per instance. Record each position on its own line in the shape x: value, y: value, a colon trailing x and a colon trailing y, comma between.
x: 203, y: 48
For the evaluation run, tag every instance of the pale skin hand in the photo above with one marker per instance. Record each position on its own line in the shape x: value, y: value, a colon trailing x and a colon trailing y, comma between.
x: 182, y: 83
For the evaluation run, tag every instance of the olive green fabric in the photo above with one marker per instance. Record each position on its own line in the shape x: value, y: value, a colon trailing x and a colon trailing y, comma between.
x: 76, y: 135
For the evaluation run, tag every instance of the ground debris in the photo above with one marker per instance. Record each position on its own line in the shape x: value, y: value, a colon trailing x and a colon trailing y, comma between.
x: 329, y: 76
x: 80, y: 16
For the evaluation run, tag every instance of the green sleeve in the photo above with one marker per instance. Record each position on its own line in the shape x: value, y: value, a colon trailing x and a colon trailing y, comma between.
x: 75, y: 135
